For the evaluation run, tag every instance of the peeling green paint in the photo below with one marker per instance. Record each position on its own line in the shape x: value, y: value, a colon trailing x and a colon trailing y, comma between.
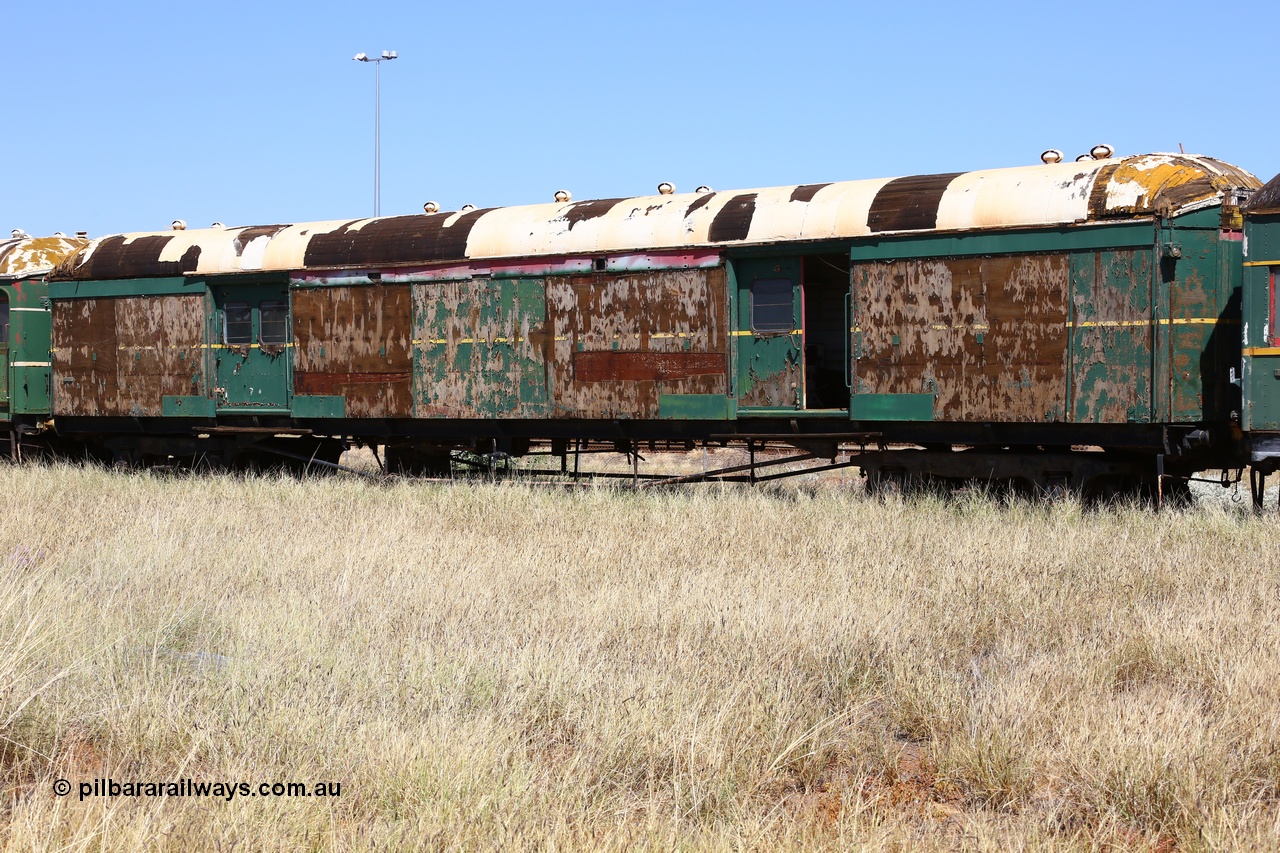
x: 252, y: 377
x: 891, y: 407
x: 480, y: 349
x: 179, y: 406
x: 770, y: 367
x: 696, y: 407
x: 1111, y: 336
x: 319, y: 406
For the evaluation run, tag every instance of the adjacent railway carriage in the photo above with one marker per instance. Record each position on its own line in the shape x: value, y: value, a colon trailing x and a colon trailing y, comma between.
x: 1073, y: 323
x: 25, y: 377
x: 1260, y: 370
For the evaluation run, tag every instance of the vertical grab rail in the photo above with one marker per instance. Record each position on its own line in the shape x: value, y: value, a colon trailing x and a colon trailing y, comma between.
x: 848, y: 353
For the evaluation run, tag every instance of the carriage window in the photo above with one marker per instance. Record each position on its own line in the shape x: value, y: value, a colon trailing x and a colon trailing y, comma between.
x: 238, y: 319
x: 772, y: 305
x: 274, y: 320
x: 4, y: 318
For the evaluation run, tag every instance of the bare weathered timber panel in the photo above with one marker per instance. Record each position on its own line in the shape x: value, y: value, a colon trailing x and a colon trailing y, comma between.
x: 122, y: 355
x: 480, y: 349
x: 986, y: 336
x: 1111, y: 338
x: 84, y: 357
x: 354, y: 342
x: 158, y: 351
x: 1026, y: 352
x: 622, y: 341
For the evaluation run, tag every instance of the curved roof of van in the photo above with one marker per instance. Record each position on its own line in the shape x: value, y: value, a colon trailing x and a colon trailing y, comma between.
x: 1054, y: 194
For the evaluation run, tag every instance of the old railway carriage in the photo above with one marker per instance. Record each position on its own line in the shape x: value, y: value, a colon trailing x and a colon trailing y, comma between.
x: 1000, y: 323
x: 24, y: 331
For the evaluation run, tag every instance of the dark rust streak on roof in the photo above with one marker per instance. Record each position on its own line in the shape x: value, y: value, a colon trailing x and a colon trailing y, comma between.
x: 806, y: 192
x: 116, y: 258
x: 733, y: 222
x: 1098, y: 195
x: 581, y: 211
x: 394, y: 240
x: 698, y: 202
x: 909, y: 204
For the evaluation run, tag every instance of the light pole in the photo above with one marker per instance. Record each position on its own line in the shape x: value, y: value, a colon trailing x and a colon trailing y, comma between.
x: 377, y: 123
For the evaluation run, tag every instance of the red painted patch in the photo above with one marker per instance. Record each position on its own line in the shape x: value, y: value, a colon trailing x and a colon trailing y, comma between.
x: 333, y: 383
x: 645, y: 366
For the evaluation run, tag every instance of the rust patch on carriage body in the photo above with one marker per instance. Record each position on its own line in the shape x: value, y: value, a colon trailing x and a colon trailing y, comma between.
x: 354, y: 342
x: 986, y: 337
x: 660, y: 332
x: 121, y: 356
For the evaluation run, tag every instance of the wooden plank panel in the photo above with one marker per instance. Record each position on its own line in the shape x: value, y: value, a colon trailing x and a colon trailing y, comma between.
x: 122, y: 355
x: 985, y: 336
x: 84, y: 357
x: 158, y: 351
x: 182, y: 322
x: 1026, y: 351
x: 355, y: 342
x: 632, y: 316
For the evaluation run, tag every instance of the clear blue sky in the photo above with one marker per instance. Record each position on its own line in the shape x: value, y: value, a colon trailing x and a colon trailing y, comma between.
x: 124, y: 116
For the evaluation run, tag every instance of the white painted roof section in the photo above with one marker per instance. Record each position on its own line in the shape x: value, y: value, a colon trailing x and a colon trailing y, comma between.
x: 1027, y: 196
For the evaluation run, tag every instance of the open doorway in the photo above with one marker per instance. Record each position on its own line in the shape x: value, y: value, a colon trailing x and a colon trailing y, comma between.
x: 826, y: 330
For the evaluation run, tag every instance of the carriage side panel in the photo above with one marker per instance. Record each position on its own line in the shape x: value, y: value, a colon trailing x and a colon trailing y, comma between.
x: 353, y: 342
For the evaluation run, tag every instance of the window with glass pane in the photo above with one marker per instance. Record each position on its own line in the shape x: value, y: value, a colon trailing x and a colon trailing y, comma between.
x: 238, y: 320
x: 771, y: 305
x: 274, y: 319
x: 4, y: 319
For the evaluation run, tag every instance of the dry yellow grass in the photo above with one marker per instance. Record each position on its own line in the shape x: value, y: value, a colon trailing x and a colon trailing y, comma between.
x: 493, y: 666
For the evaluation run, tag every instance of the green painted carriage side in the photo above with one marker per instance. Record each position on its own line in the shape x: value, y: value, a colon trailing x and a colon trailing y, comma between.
x: 26, y: 371
x: 1260, y: 365
x: 1200, y: 264
x: 1152, y: 332
x: 1110, y: 345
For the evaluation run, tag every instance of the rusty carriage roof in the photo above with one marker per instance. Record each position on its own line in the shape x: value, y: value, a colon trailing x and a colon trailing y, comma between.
x: 29, y: 256
x: 1022, y: 197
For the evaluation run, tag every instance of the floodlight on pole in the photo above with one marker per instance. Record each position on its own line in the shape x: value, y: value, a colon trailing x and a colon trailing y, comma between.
x: 377, y: 122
